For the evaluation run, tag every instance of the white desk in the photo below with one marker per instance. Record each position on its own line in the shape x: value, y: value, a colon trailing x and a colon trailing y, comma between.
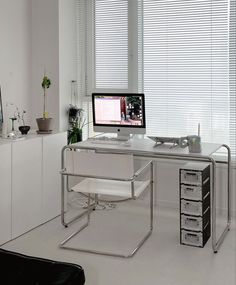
x: 144, y: 147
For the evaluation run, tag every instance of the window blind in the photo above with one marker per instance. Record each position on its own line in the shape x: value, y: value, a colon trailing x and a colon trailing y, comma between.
x: 232, y: 74
x: 185, y: 53
x: 82, y: 46
x: 111, y: 44
x: 186, y: 78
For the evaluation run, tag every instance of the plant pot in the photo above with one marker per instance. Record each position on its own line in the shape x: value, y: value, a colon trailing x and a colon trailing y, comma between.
x: 44, y: 124
x: 24, y: 129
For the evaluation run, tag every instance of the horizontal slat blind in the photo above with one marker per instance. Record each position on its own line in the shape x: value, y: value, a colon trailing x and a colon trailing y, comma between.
x: 81, y: 45
x: 111, y: 44
x: 186, y: 52
x: 186, y: 64
x: 232, y: 56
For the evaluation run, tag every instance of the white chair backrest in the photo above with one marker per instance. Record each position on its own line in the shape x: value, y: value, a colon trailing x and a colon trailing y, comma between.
x: 119, y: 166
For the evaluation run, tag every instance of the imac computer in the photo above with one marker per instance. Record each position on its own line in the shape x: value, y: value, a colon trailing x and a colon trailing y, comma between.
x: 120, y: 113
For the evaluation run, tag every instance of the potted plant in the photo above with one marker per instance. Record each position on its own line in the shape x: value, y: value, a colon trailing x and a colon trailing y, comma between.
x: 44, y: 123
x: 23, y: 128
x: 76, y: 124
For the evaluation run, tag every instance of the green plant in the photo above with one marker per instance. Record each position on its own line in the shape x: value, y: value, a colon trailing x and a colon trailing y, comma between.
x: 46, y: 82
x: 77, y: 122
x: 74, y: 135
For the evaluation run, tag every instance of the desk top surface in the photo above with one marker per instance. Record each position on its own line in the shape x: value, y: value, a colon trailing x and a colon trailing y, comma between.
x: 141, y: 146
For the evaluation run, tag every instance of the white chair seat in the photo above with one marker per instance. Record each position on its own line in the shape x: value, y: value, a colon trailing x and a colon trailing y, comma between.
x: 110, y: 187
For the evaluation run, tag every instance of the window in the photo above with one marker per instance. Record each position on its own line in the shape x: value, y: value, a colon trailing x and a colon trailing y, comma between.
x: 111, y: 44
x: 181, y: 54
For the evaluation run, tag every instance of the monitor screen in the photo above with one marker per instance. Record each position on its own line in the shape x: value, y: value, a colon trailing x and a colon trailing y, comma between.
x: 119, y: 112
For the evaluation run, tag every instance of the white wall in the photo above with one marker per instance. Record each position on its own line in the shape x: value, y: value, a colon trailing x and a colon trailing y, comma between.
x: 15, y: 54
x: 53, y: 49
x: 37, y: 36
x: 45, y: 56
x: 67, y: 55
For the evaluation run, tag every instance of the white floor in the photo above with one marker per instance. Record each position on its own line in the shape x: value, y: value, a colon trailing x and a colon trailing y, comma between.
x: 161, y: 260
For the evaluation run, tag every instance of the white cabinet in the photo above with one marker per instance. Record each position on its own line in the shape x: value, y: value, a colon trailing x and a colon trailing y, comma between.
x: 51, y: 198
x: 26, y: 185
x: 30, y: 188
x: 5, y: 193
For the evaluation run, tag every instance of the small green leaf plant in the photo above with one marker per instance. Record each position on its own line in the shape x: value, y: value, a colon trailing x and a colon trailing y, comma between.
x: 46, y: 82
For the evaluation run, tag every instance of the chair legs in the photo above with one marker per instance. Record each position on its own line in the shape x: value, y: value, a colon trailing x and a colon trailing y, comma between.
x: 90, y: 206
x: 131, y: 253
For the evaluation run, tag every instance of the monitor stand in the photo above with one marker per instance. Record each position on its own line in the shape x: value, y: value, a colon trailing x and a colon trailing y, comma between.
x: 122, y: 137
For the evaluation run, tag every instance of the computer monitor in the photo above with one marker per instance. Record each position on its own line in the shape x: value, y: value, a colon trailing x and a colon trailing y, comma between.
x: 121, y: 113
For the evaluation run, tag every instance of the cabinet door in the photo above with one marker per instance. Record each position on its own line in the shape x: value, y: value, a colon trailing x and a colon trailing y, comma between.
x: 52, y: 146
x: 5, y: 193
x: 26, y: 185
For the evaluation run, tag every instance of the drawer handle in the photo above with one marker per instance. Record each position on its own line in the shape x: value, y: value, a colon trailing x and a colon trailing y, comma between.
x: 191, y: 222
x: 189, y: 189
x: 191, y: 173
x: 192, y: 237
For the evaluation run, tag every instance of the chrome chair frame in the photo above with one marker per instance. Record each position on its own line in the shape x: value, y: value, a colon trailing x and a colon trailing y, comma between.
x: 91, y: 207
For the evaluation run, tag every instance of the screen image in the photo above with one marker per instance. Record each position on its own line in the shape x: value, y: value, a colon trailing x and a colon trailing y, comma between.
x: 124, y: 110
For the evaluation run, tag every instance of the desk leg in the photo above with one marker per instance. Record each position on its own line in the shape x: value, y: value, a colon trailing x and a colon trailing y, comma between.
x: 217, y: 243
x: 63, y: 200
x: 229, y: 184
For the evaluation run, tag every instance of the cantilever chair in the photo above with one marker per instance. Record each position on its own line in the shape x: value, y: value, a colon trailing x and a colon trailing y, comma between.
x: 105, y: 174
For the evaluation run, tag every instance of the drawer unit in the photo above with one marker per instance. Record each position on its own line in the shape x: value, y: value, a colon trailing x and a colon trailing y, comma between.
x: 191, y: 177
x: 191, y: 238
x: 195, y: 192
x: 195, y: 238
x: 195, y: 223
x: 195, y: 204
x: 196, y: 208
x: 191, y: 223
x: 195, y: 174
x: 191, y: 192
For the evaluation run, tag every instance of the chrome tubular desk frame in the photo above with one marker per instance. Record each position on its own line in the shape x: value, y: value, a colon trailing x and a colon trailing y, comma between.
x: 145, y: 148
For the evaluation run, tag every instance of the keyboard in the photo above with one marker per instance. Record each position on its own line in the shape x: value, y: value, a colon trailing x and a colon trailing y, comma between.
x: 109, y: 142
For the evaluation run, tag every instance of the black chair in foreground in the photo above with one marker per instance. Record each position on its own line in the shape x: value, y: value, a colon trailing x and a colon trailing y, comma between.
x: 18, y: 268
